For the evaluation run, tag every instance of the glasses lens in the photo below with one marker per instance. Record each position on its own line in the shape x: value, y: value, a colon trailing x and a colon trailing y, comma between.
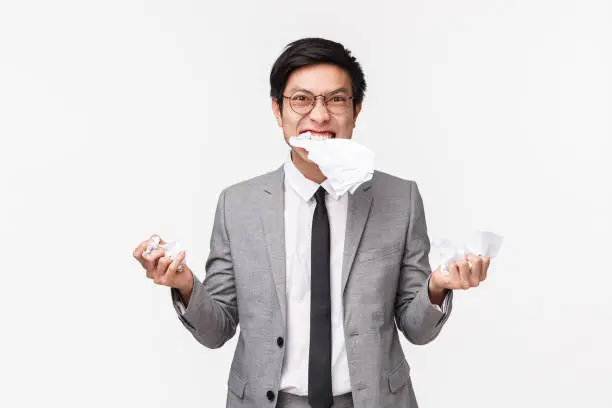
x: 301, y: 102
x: 338, y: 103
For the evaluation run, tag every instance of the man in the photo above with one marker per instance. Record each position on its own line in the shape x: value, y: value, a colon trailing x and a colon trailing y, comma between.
x: 318, y: 282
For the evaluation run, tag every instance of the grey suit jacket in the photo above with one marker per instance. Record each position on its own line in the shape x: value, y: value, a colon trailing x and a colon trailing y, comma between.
x: 384, y: 282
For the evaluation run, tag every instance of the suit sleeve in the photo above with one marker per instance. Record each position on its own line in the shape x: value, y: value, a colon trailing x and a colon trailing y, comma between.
x: 212, y: 313
x: 418, y: 319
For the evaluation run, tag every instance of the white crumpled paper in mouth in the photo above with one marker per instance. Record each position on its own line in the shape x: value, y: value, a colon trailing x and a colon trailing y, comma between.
x: 346, y: 163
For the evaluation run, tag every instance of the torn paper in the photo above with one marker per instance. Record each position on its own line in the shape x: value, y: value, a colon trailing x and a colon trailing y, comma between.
x: 344, y: 162
x: 479, y: 243
x: 171, y: 249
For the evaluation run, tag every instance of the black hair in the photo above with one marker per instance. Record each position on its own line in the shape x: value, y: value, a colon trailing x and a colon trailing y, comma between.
x: 310, y: 51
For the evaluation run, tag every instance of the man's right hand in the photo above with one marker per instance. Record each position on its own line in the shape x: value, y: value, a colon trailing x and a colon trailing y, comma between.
x: 163, y: 270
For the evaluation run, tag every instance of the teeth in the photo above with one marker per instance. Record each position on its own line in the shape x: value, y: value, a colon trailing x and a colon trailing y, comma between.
x: 310, y: 136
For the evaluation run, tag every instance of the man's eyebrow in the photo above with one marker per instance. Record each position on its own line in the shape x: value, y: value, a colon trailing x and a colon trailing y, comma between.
x: 338, y: 91
x: 294, y: 90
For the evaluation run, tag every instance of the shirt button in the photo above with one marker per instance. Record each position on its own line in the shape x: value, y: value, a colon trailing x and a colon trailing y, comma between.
x: 270, y: 395
x: 280, y: 341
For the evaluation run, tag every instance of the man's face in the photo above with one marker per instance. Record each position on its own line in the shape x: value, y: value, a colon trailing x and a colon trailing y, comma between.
x: 320, y: 79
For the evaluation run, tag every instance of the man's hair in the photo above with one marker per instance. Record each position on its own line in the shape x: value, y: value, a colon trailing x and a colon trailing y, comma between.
x: 310, y: 51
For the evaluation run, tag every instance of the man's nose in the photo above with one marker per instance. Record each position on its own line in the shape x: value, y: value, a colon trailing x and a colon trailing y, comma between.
x: 319, y: 112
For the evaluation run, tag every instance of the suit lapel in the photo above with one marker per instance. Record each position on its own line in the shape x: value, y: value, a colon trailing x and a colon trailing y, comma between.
x: 273, y: 218
x: 359, y: 204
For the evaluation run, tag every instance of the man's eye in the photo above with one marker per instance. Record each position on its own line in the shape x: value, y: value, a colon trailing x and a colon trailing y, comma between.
x: 338, y: 99
x: 299, y: 98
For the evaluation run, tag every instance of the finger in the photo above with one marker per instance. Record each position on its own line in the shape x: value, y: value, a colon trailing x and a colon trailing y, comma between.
x: 139, y: 251
x: 173, y: 269
x: 475, y: 270
x: 151, y: 259
x: 453, y: 280
x: 153, y: 255
x: 486, y: 261
x: 162, y: 267
x: 464, y: 274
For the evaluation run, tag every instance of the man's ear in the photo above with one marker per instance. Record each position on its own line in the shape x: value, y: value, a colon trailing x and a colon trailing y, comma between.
x: 277, y: 112
x: 357, y: 111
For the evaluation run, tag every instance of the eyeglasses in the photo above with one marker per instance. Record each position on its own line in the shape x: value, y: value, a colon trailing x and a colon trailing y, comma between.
x: 303, y: 102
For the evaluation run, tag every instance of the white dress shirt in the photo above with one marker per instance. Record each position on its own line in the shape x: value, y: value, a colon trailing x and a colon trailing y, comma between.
x: 299, y: 210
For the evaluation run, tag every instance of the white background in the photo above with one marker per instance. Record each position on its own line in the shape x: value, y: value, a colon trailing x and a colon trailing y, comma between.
x: 119, y: 119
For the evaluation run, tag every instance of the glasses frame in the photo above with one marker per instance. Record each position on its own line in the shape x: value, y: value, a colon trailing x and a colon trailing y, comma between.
x: 314, y: 103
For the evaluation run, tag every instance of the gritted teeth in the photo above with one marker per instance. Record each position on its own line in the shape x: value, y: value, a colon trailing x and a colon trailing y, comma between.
x: 312, y: 135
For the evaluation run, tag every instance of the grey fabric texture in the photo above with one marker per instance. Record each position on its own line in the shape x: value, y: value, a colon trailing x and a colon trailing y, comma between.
x: 384, y: 283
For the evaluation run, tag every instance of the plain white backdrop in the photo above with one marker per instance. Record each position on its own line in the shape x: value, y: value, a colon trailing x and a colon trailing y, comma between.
x: 120, y: 119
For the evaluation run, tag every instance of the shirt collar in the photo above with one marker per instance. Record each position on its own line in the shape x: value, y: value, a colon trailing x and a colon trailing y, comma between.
x: 304, y: 187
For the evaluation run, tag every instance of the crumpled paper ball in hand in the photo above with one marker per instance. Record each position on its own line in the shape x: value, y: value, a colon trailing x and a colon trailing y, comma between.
x: 346, y: 163
x: 479, y: 243
x: 171, y: 249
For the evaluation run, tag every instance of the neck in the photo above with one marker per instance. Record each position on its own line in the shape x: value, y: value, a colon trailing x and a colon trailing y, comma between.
x: 309, y: 169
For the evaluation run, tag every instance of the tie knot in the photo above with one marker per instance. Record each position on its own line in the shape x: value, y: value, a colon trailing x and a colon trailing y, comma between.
x: 320, y: 195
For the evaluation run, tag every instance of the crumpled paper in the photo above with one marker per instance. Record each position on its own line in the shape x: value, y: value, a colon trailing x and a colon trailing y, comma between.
x: 346, y: 163
x: 479, y: 243
x: 171, y: 249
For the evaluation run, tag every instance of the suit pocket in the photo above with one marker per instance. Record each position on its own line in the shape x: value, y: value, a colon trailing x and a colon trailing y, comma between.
x: 379, y: 253
x: 399, y: 376
x: 236, y: 384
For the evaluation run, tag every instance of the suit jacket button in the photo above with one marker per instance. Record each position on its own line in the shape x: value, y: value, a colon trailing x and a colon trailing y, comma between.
x: 270, y: 395
x: 280, y: 341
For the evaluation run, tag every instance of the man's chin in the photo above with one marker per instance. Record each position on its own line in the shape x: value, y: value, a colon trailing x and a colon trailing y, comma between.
x: 301, y: 154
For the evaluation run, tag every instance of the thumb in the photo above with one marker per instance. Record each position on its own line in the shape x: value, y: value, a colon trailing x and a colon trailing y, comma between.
x: 178, y: 262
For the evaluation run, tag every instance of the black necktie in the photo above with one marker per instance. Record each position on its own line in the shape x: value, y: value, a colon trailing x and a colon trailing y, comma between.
x: 319, y: 362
